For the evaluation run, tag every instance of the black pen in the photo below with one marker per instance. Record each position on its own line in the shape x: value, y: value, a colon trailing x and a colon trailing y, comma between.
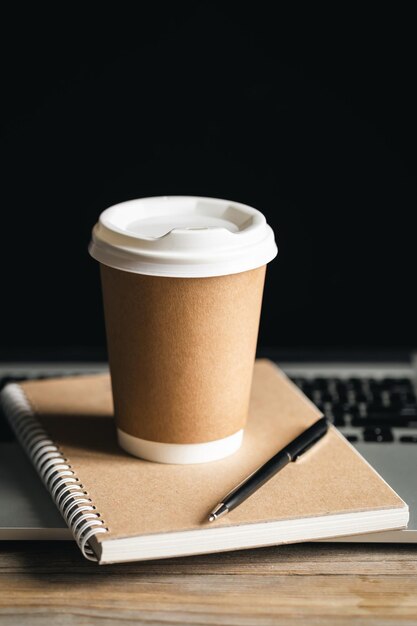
x: 259, y: 477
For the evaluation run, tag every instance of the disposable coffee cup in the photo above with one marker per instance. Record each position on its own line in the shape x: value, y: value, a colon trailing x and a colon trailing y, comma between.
x: 182, y: 282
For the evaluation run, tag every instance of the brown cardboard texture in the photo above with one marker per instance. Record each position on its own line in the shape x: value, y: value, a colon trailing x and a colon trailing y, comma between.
x: 181, y: 352
x: 136, y: 497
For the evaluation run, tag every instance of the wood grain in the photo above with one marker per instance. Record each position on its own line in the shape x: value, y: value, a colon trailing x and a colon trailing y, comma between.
x: 49, y: 583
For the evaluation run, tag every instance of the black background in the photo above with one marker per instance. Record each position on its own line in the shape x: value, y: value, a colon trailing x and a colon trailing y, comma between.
x: 308, y: 117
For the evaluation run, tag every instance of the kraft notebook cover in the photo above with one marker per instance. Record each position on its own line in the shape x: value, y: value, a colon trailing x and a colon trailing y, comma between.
x: 121, y: 508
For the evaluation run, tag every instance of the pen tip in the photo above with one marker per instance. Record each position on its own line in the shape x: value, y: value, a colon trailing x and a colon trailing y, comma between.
x: 211, y: 518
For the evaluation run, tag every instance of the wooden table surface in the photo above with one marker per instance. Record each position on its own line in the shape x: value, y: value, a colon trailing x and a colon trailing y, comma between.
x: 50, y: 583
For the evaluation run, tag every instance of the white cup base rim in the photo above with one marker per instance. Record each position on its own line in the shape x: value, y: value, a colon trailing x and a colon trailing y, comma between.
x: 179, y: 453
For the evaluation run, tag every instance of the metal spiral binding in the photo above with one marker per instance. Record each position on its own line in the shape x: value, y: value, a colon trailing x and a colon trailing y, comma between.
x: 59, y: 478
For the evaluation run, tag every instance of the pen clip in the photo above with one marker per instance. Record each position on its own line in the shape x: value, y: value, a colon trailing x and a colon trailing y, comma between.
x: 308, y: 446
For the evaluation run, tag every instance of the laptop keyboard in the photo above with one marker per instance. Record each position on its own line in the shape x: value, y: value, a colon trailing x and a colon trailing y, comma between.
x: 366, y: 409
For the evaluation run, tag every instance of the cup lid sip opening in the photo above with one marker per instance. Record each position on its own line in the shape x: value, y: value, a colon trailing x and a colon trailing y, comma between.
x: 182, y: 236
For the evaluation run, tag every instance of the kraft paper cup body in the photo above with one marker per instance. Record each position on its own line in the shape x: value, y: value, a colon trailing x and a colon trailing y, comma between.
x: 181, y: 354
x: 181, y: 347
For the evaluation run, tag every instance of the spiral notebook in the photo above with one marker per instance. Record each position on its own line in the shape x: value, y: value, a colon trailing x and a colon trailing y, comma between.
x: 121, y: 508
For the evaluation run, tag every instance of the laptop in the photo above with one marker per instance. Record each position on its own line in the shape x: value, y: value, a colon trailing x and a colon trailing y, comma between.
x: 317, y: 134
x: 372, y: 402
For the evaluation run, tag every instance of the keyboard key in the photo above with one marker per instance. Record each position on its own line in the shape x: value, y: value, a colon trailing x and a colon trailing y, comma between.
x: 337, y: 420
x: 386, y: 383
x: 338, y: 410
x: 352, y: 410
x: 409, y: 439
x: 354, y: 382
x: 316, y: 397
x: 375, y: 411
x: 307, y: 388
x: 332, y: 384
x: 409, y: 410
x: 374, y: 385
x: 396, y: 399
x: 326, y: 397
x: 403, y: 381
x: 382, y: 435
x: 320, y: 383
x: 380, y: 409
x: 342, y: 394
x: 300, y: 382
x: 402, y: 384
x: 361, y: 397
x: 352, y: 438
x: 393, y: 420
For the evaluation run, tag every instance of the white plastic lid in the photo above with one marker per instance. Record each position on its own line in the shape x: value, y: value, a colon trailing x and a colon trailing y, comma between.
x: 182, y: 236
